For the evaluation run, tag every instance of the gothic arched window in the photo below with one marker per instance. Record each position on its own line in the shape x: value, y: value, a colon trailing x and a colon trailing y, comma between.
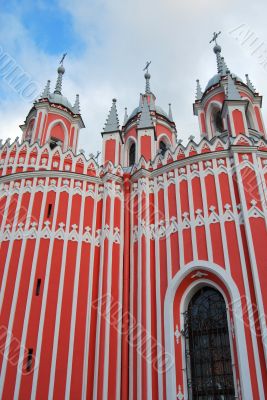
x: 163, y: 147
x: 208, y: 352
x: 249, y: 118
x: 132, y: 154
x: 218, y: 121
x: 30, y: 131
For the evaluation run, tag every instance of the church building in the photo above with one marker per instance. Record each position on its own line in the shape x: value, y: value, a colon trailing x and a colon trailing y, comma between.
x: 142, y: 276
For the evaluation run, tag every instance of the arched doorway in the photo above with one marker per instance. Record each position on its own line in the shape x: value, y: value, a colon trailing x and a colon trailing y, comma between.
x: 207, y: 347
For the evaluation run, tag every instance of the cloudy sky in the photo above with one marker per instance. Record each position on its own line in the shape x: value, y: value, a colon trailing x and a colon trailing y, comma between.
x: 108, y: 43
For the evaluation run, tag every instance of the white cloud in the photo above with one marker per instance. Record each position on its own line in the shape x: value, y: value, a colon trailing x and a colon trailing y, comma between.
x: 120, y: 36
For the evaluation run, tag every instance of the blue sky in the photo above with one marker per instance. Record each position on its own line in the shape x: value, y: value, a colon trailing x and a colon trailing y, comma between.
x: 108, y: 43
x: 49, y: 25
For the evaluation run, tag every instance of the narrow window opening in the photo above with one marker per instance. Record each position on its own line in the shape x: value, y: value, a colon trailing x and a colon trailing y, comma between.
x: 38, y: 287
x: 132, y: 154
x: 29, y: 360
x: 163, y: 147
x: 218, y: 121
x: 249, y: 120
x: 49, y: 210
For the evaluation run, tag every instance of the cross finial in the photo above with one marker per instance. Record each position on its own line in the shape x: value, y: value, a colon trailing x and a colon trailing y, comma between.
x: 62, y: 59
x: 215, y: 36
x: 147, y: 65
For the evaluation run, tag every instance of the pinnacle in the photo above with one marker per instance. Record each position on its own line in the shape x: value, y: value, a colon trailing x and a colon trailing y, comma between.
x: 145, y: 119
x: 112, y: 123
x: 76, y: 106
x: 46, y: 90
x: 249, y: 84
x: 60, y: 71
x: 232, y: 92
x: 125, y: 116
x: 170, y: 113
x: 198, y: 91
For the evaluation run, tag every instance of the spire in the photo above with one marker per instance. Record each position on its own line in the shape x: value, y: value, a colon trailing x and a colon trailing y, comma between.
x: 125, y: 116
x: 147, y: 77
x: 60, y: 71
x: 199, y: 91
x: 76, y: 106
x: 152, y: 106
x: 249, y: 84
x: 141, y: 101
x: 232, y: 92
x: 46, y: 91
x: 221, y: 65
x: 224, y: 67
x: 145, y: 119
x: 112, y: 123
x: 170, y: 113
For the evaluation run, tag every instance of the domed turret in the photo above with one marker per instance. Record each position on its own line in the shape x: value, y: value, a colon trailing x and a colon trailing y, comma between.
x: 221, y: 65
x: 53, y: 119
x: 225, y: 99
x: 151, y: 98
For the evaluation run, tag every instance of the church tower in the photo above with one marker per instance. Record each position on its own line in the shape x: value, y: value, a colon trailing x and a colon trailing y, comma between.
x: 53, y: 119
x: 143, y: 278
x: 148, y: 131
x: 228, y: 104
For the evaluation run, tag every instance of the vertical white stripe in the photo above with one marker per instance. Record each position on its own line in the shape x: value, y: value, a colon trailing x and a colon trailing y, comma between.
x: 246, y: 282
x: 15, y: 295
x: 11, y: 242
x: 252, y: 254
x: 132, y: 295
x: 75, y: 294
x: 119, y: 341
x: 60, y: 294
x: 167, y: 222
x: 221, y: 213
x: 89, y: 298
x: 148, y: 297
x: 158, y: 292
x: 191, y: 212
x: 99, y: 305
x: 45, y: 294
x: 31, y: 290
x: 260, y: 186
x: 139, y: 295
x: 205, y: 212
x: 109, y: 294
x: 179, y: 218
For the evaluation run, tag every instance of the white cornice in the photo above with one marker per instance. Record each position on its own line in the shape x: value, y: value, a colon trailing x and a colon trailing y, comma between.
x: 59, y: 174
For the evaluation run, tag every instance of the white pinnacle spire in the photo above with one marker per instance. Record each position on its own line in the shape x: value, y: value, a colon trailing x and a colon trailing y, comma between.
x: 147, y: 77
x: 140, y: 100
x: 249, y: 84
x: 46, y: 91
x: 232, y: 92
x: 170, y: 113
x: 224, y: 68
x: 145, y: 119
x: 221, y: 65
x: 199, y: 93
x: 76, y: 106
x: 125, y: 116
x: 112, y: 123
x: 60, y: 71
